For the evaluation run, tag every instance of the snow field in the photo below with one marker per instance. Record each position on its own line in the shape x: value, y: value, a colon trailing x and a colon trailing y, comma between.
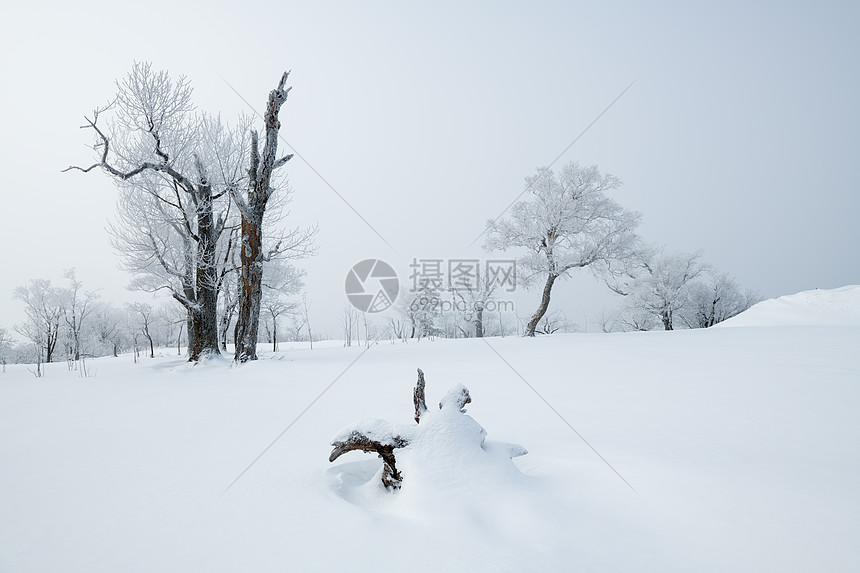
x: 742, y: 443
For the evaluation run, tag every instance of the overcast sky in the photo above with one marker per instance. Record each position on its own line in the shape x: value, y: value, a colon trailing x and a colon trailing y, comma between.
x: 740, y: 135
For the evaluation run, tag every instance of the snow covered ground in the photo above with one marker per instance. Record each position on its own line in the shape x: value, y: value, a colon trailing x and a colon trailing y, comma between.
x: 743, y: 446
x: 807, y: 308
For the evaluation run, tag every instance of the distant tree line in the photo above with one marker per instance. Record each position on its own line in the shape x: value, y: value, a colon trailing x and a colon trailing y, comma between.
x: 69, y: 323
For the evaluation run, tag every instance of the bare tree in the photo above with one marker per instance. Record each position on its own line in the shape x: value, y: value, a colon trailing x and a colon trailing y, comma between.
x: 44, y: 310
x: 77, y: 307
x: 280, y: 281
x: 637, y: 319
x: 142, y: 321
x: 304, y: 313
x: 176, y: 169
x: 228, y: 302
x: 555, y: 321
x: 107, y: 326
x: 252, y: 206
x: 567, y: 223
x: 474, y: 297
x: 173, y: 317
x: 348, y: 320
x: 716, y: 299
x: 607, y: 320
x: 419, y: 312
x: 5, y: 347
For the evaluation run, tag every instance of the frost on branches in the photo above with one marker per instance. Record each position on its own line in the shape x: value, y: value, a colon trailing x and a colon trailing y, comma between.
x: 443, y: 440
x: 675, y: 290
x: 566, y: 222
x: 183, y: 217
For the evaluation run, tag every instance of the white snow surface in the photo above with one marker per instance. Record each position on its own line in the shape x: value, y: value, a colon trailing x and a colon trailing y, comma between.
x: 807, y: 308
x: 743, y: 446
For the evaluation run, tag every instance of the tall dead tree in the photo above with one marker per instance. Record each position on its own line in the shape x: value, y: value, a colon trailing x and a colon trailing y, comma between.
x: 252, y: 208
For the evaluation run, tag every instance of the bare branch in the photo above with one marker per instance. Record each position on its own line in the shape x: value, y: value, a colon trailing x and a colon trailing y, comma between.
x: 282, y: 161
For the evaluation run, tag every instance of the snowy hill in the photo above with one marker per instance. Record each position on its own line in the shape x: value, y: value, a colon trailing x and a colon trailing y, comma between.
x: 807, y: 308
x: 742, y: 444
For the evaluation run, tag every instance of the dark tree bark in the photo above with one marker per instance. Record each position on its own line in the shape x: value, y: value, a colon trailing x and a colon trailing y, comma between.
x: 151, y: 343
x: 250, y: 290
x: 204, y: 320
x: 53, y: 335
x: 252, y: 210
x: 200, y: 292
x: 418, y: 397
x: 391, y: 477
x: 479, y: 321
x: 666, y: 317
x: 367, y: 441
x: 544, y: 305
x: 383, y: 437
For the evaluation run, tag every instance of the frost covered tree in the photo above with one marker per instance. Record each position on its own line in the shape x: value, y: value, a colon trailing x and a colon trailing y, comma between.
x: 280, y: 280
x: 107, y: 325
x: 252, y: 205
x: 350, y: 322
x: 636, y: 319
x: 304, y: 321
x: 44, y: 309
x: 715, y: 299
x: 227, y: 303
x: 174, y: 325
x: 567, y: 222
x: 662, y: 283
x: 172, y: 166
x: 77, y: 306
x: 182, y: 209
x: 474, y: 297
x: 418, y: 312
x: 553, y: 322
x: 142, y: 322
x: 5, y: 347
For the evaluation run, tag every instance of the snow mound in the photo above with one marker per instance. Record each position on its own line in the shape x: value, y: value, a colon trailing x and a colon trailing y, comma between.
x: 819, y: 307
x: 446, y: 450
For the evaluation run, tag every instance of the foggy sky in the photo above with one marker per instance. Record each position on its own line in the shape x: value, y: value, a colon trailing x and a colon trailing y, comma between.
x: 740, y: 135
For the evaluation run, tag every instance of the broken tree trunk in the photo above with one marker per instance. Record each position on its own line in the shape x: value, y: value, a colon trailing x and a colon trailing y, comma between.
x: 252, y: 209
x: 384, y: 437
x: 381, y: 440
x: 418, y: 397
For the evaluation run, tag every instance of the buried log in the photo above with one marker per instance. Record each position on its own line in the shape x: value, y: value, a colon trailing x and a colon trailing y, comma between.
x: 384, y: 437
x: 377, y: 439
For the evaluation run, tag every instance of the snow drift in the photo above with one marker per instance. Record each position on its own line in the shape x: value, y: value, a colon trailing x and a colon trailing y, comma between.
x: 808, y: 308
x: 742, y: 443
